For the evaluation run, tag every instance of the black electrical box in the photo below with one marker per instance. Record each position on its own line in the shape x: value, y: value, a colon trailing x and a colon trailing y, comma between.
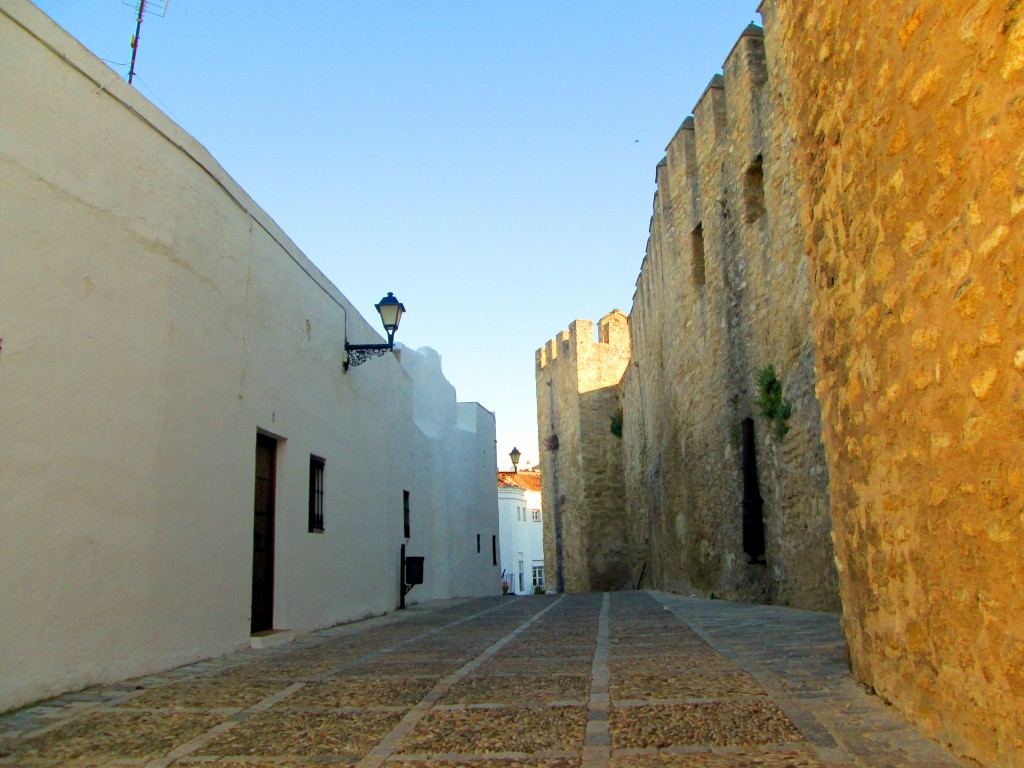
x: 413, y: 570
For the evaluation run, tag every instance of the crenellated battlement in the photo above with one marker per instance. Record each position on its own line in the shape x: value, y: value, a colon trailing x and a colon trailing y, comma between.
x: 552, y: 350
x: 713, y: 169
x: 709, y: 114
x: 579, y: 341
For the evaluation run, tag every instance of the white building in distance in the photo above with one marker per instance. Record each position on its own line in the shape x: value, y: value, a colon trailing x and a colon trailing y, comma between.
x: 185, y: 465
x: 521, y: 523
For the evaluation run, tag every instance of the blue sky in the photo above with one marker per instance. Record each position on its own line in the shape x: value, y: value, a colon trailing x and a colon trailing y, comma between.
x: 490, y: 162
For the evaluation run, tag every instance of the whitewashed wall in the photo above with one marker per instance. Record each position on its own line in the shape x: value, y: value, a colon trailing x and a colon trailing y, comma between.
x: 153, y: 319
x: 454, y: 465
x: 520, y: 535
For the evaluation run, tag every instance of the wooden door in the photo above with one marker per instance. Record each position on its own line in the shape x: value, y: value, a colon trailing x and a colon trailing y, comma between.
x: 263, y: 536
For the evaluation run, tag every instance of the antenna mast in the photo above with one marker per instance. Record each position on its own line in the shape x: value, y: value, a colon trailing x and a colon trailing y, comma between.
x: 154, y: 7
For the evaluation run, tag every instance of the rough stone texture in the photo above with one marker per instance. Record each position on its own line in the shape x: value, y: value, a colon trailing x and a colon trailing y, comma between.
x: 783, y: 758
x: 308, y: 733
x: 719, y: 723
x: 524, y: 688
x: 722, y: 293
x: 908, y: 119
x: 581, y: 474
x: 124, y: 734
x: 490, y: 730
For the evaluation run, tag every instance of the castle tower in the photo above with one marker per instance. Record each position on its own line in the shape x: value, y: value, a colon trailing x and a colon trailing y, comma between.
x: 581, y: 466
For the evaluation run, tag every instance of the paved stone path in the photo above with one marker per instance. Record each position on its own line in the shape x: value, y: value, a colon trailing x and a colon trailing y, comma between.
x: 626, y: 680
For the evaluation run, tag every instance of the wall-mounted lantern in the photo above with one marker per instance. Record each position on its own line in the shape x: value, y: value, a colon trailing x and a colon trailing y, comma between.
x: 390, y: 310
x: 515, y: 460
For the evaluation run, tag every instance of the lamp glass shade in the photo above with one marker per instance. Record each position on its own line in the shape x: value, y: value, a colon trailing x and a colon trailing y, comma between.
x: 390, y: 310
x: 515, y: 457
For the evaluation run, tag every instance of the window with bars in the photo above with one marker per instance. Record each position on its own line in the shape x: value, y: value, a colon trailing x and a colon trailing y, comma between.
x: 316, y: 494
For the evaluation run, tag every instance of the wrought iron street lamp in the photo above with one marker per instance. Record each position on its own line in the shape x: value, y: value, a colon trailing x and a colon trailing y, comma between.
x: 515, y: 459
x: 390, y: 310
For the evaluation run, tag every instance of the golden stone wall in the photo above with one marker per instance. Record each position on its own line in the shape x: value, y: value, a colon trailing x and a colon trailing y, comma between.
x: 722, y: 293
x: 581, y: 470
x: 909, y: 126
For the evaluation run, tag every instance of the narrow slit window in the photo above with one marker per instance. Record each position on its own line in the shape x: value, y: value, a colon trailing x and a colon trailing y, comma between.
x: 753, y: 191
x: 407, y: 528
x: 697, y: 248
x: 316, y: 494
x: 494, y: 550
x: 478, y: 543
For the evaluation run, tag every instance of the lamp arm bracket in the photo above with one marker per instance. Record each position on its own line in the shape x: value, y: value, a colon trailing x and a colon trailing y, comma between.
x: 357, y: 354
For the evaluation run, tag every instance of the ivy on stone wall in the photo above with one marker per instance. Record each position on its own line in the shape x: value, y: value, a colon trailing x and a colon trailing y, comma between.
x: 616, y: 426
x: 774, y: 407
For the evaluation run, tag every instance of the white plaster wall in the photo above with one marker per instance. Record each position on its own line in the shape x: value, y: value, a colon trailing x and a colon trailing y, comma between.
x: 517, y: 535
x: 473, y: 510
x: 533, y: 500
x: 434, y: 406
x: 457, y: 500
x: 153, y: 320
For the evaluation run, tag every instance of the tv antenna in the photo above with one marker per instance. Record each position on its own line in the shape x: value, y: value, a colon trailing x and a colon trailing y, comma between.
x: 151, y: 7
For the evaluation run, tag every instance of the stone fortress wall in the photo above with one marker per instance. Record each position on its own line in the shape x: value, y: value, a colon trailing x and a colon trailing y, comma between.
x: 908, y: 120
x: 854, y: 186
x: 581, y: 475
x: 722, y: 294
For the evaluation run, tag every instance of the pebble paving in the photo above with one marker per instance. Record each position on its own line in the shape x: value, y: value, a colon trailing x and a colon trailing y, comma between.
x: 621, y: 680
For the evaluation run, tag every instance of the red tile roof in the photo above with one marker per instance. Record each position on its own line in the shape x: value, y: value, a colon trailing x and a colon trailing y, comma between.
x: 527, y: 479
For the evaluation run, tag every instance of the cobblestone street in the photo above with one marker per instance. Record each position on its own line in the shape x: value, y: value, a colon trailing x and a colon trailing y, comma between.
x: 630, y: 680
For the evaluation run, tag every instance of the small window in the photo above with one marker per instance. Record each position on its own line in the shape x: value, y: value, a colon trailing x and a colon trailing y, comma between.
x: 536, y: 515
x: 697, y: 248
x: 538, y: 576
x: 316, y: 494
x: 494, y: 550
x: 405, y: 514
x: 478, y: 543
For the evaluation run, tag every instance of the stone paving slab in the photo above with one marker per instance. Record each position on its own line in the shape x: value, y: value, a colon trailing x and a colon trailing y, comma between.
x: 546, y: 689
x: 622, y: 680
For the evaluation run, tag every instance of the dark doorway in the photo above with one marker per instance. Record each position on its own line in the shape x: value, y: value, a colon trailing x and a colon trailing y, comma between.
x: 263, y: 535
x: 753, y: 516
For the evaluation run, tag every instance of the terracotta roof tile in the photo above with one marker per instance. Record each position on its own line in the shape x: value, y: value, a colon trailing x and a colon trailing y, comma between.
x: 528, y: 480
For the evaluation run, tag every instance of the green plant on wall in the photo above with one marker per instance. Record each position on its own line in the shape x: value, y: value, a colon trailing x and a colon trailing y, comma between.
x: 616, y: 426
x: 769, y: 399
